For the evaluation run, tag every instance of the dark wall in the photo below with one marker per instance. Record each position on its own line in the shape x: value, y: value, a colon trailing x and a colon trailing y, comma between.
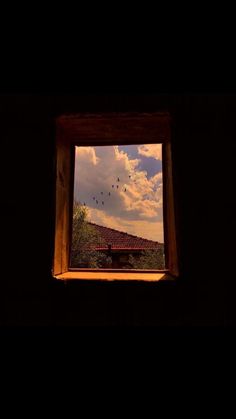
x: 30, y: 296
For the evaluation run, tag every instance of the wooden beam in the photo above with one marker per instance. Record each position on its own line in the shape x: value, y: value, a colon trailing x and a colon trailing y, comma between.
x: 169, y: 212
x: 63, y: 187
x: 113, y: 276
x: 126, y: 128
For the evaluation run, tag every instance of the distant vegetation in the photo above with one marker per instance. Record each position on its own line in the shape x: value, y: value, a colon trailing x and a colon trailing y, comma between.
x: 84, y: 238
x: 149, y: 259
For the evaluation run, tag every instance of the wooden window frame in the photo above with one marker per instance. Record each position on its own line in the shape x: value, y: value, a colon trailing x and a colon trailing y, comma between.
x: 109, y: 129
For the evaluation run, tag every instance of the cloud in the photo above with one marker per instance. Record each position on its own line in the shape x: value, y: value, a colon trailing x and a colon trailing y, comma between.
x: 137, y: 202
x: 151, y: 150
x: 87, y: 154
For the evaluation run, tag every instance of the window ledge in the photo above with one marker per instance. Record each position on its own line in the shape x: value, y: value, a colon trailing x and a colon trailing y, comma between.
x: 114, y: 276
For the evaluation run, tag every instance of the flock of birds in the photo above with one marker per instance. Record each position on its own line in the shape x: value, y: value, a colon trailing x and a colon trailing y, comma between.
x: 114, y: 187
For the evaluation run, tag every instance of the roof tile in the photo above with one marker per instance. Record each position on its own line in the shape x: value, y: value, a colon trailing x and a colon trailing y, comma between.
x: 122, y: 241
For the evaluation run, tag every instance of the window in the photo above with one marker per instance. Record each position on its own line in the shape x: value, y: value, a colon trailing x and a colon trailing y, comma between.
x: 118, y: 207
x: 86, y: 132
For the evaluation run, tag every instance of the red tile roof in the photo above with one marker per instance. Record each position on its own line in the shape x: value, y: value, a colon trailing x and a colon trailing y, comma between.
x: 122, y: 241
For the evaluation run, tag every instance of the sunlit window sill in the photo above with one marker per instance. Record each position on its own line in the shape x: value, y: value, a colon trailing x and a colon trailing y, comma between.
x: 114, y: 276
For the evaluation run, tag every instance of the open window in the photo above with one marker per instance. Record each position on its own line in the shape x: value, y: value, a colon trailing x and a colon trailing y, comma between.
x: 104, y: 190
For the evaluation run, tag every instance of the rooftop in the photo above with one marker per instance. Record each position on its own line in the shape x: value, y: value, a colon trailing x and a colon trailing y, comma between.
x: 120, y: 240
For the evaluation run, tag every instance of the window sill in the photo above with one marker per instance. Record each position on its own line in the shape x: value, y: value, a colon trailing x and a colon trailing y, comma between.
x: 114, y: 276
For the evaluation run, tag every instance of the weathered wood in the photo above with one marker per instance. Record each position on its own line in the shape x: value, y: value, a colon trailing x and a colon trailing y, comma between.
x: 57, y: 268
x: 63, y: 185
x: 169, y: 212
x: 113, y: 276
x: 126, y: 128
x: 148, y: 271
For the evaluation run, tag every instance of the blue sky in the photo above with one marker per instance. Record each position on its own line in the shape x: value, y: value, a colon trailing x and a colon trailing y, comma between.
x: 150, y: 164
x: 122, y: 187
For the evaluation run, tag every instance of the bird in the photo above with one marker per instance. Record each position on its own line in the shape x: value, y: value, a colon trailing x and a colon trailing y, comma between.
x: 118, y: 179
x: 125, y: 189
x: 84, y: 204
x: 109, y: 193
x: 113, y: 186
x: 102, y: 203
x: 117, y: 186
x: 129, y: 176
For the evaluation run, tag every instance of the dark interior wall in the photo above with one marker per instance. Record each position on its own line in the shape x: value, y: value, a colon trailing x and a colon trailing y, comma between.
x: 30, y: 296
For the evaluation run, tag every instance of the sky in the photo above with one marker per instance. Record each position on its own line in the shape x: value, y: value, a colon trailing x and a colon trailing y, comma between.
x: 136, y: 205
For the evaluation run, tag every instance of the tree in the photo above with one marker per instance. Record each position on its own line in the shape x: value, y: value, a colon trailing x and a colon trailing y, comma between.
x: 85, y: 238
x: 149, y: 259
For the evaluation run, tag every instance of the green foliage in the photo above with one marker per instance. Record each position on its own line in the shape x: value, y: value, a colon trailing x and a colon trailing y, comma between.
x: 84, y: 240
x: 149, y: 259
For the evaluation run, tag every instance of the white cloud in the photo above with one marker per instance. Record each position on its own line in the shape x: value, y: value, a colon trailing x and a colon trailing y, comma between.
x: 87, y: 154
x: 137, y: 202
x: 151, y: 150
